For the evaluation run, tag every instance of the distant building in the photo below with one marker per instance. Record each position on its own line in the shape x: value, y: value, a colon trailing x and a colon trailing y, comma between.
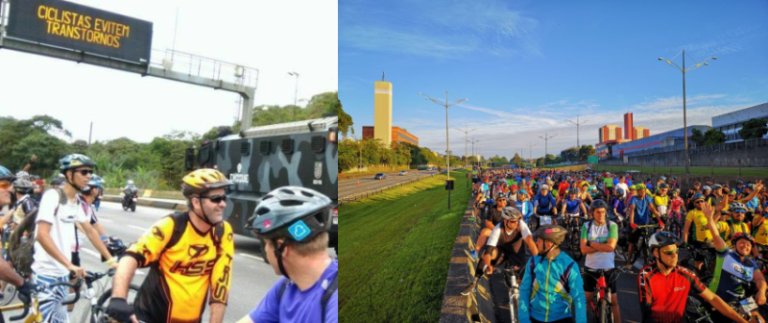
x: 397, y: 134
x: 629, y: 125
x: 609, y: 132
x: 382, y: 111
x: 641, y: 132
x: 669, y: 138
x: 730, y: 123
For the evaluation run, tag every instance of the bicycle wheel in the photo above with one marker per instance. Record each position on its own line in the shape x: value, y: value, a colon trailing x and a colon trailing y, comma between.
x: 576, y: 242
x: 605, y: 312
x: 98, y: 313
x: 9, y: 294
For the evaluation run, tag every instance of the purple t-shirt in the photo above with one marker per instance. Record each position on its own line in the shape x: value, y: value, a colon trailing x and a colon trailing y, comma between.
x: 297, y: 305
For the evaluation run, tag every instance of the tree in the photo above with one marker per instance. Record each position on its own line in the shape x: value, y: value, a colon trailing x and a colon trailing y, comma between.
x: 585, y: 151
x: 753, y: 128
x: 517, y: 158
x: 714, y: 137
x: 540, y: 161
x: 697, y: 137
x: 79, y: 146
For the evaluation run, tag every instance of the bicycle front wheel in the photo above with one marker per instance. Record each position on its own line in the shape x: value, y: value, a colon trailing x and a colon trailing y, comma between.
x: 98, y: 312
x: 605, y: 312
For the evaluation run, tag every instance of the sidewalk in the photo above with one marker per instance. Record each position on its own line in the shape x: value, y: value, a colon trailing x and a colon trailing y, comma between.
x: 179, y: 205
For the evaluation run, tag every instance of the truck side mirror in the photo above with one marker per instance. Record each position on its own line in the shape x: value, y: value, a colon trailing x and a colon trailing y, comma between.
x: 189, y: 159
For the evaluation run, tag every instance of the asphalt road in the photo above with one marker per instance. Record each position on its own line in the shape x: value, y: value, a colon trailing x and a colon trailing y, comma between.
x: 251, y: 280
x: 350, y: 186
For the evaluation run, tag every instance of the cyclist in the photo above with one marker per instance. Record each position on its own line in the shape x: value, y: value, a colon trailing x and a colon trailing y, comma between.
x: 664, y: 286
x: 661, y: 200
x: 506, y: 240
x: 544, y: 204
x: 728, y: 228
x: 190, y: 256
x: 494, y: 217
x: 308, y: 292
x: 677, y: 209
x: 551, y: 289
x: 571, y: 206
x: 735, y: 269
x: 524, y: 205
x: 598, y: 241
x: 512, y: 195
x: 717, y: 196
x: 584, y: 194
x: 640, y: 212
x: 59, y: 210
x: 702, y: 237
x: 24, y: 206
x: 623, y: 185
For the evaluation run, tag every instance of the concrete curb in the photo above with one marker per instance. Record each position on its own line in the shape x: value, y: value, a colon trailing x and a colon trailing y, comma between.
x: 178, y: 206
x: 479, y: 306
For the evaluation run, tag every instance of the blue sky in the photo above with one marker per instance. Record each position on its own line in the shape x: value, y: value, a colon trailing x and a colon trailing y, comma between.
x: 526, y: 66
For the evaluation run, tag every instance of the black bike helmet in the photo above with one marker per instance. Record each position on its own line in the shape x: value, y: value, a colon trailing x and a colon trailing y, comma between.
x: 293, y: 213
x: 662, y: 239
x: 599, y: 204
x: 552, y: 233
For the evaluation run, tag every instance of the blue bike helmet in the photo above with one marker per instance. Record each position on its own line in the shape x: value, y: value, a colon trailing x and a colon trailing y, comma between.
x: 6, y: 175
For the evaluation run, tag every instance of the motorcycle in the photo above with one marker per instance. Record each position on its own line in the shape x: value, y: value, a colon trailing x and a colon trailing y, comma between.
x: 129, y: 201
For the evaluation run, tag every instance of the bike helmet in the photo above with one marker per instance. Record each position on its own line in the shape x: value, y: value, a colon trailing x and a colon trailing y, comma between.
x: 732, y: 192
x: 511, y: 213
x: 662, y: 239
x: 737, y: 206
x: 6, y: 175
x: 706, y: 188
x: 599, y: 204
x: 552, y: 233
x: 620, y: 191
x: 662, y: 178
x: 23, y: 186
x: 697, y: 196
x: 573, y: 190
x: 202, y: 180
x: 56, y: 181
x: 293, y: 213
x: 675, y: 191
x: 663, y: 185
x: 742, y: 235
x: 523, y: 192
x: 22, y: 175
x: 739, y: 182
x: 717, y: 186
x: 544, y: 187
x: 73, y: 161
x: 501, y: 195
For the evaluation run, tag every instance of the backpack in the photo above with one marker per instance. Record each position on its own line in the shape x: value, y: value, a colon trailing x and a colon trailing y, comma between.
x: 323, y: 300
x: 22, y: 252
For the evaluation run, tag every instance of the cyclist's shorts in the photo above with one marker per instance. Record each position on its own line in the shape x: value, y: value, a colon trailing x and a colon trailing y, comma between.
x: 590, y: 282
x: 51, y: 298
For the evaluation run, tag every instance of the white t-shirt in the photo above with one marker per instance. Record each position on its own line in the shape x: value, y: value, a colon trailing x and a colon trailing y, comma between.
x: 624, y: 187
x: 62, y: 232
x: 496, y: 233
x: 600, y: 234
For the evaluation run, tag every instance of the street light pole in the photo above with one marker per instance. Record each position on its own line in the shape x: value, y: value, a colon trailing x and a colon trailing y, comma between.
x: 295, y: 92
x: 447, y: 143
x: 530, y: 153
x: 473, y: 151
x: 546, y: 138
x: 685, y: 117
x: 577, y: 128
x: 466, y: 133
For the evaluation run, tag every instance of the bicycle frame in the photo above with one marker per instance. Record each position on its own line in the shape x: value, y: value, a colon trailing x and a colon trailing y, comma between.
x: 514, y: 292
x: 601, y: 290
x: 35, y: 315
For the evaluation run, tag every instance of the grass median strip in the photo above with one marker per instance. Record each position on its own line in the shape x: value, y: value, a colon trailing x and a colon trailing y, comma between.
x: 396, y: 249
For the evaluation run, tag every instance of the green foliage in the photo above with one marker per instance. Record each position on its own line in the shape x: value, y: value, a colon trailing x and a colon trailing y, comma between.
x: 540, y: 162
x: 697, y: 137
x: 586, y: 151
x: 753, y: 128
x: 714, y: 136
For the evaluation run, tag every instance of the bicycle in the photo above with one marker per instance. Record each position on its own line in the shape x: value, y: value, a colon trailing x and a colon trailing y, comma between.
x: 510, y: 280
x: 601, y: 304
x: 35, y: 316
x: 705, y: 273
x: 96, y: 312
x: 642, y: 248
x: 573, y: 223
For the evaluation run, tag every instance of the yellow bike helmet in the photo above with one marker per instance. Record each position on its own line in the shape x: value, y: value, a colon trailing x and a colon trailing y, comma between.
x: 203, y: 180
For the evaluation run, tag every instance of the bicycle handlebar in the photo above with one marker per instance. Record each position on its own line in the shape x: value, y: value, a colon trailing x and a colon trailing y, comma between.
x: 75, y: 287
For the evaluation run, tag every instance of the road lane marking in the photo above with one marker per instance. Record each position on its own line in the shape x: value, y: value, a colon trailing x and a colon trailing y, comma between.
x: 107, y: 220
x: 251, y: 256
x: 137, y: 228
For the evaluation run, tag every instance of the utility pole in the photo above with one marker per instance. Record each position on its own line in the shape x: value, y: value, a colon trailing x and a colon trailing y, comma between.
x: 546, y: 138
x: 295, y: 93
x: 530, y: 151
x: 473, y: 151
x: 447, y: 142
x: 466, y: 133
x: 577, y: 123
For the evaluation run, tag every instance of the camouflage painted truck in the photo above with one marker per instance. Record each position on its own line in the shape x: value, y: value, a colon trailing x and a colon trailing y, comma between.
x: 260, y: 159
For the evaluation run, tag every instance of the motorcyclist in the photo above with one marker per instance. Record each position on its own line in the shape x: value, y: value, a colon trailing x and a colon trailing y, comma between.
x: 129, y: 190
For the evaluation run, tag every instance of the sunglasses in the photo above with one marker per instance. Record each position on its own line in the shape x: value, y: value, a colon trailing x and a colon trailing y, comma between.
x: 85, y: 172
x: 739, y: 211
x: 670, y: 252
x: 216, y: 198
x: 699, y: 201
x: 5, y: 185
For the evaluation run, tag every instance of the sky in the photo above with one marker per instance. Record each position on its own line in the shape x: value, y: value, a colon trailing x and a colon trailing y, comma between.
x: 275, y: 37
x: 527, y: 66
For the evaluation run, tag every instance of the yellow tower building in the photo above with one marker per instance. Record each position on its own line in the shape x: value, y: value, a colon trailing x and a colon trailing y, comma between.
x: 382, y: 115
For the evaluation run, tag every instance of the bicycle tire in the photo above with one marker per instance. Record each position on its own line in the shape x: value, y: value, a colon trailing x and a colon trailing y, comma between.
x: 576, y: 240
x: 605, y: 312
x: 9, y: 294
x: 101, y: 305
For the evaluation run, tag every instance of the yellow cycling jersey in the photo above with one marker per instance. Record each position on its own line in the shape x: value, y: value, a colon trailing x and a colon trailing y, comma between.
x: 182, y: 276
x: 761, y: 236
x: 699, y: 222
x: 660, y: 200
x: 727, y: 229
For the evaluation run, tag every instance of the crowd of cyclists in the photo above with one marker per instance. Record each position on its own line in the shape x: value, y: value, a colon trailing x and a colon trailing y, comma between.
x: 600, y: 215
x: 189, y: 254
